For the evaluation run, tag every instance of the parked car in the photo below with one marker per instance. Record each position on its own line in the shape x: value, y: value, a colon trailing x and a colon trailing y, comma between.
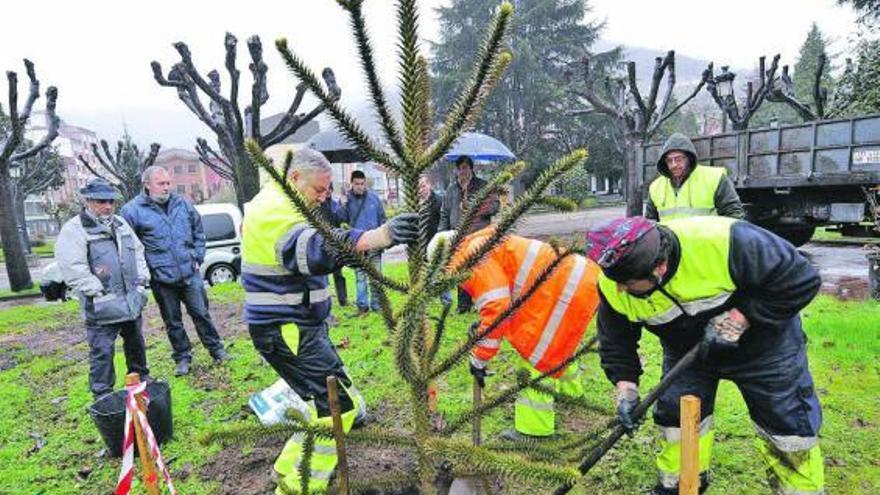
x: 222, y: 224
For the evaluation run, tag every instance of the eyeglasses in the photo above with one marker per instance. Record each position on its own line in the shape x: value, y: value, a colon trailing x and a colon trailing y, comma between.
x: 104, y: 201
x: 676, y: 159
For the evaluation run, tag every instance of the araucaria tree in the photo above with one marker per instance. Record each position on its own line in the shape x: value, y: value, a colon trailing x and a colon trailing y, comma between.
x: 11, y: 139
x: 420, y: 353
x: 224, y: 116
x: 122, y: 169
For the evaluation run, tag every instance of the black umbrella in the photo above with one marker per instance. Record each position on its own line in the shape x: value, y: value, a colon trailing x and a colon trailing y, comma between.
x: 335, y: 147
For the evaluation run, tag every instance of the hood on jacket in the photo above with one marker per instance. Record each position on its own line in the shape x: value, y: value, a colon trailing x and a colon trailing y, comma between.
x: 677, y: 142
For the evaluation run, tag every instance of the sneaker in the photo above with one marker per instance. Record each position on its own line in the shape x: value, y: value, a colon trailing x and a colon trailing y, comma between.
x: 362, y: 312
x: 182, y: 368
x: 222, y: 356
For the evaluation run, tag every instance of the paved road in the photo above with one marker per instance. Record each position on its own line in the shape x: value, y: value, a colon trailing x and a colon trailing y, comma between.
x: 35, y: 273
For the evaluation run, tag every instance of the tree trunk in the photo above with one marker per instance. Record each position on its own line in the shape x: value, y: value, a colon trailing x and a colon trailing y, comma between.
x: 248, y: 179
x: 21, y: 220
x: 16, y: 263
x: 631, y: 176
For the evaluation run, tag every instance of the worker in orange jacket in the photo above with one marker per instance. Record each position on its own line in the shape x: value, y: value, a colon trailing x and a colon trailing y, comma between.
x: 546, y: 329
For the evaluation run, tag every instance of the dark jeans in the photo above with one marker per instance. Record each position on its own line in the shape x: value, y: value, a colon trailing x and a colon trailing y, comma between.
x: 306, y: 368
x: 192, y: 294
x: 341, y: 289
x: 775, y: 384
x: 102, y: 347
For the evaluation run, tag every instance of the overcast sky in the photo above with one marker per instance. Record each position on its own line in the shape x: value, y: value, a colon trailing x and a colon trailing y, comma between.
x: 98, y: 51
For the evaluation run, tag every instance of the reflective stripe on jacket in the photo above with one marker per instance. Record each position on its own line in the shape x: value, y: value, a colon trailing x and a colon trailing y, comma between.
x: 547, y: 328
x: 285, y: 262
x: 702, y: 282
x: 695, y: 197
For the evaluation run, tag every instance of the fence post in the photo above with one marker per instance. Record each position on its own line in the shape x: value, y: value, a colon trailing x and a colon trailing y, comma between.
x: 151, y: 477
x: 689, y: 476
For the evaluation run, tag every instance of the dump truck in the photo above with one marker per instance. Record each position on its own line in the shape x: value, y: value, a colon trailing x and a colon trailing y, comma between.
x: 795, y: 178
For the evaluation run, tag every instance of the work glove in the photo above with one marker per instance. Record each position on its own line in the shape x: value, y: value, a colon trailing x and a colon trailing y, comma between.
x: 627, y: 400
x: 402, y: 229
x: 479, y: 371
x: 723, y: 332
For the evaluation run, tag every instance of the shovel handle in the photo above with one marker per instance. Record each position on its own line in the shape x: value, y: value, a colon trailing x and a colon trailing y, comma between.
x: 478, y: 399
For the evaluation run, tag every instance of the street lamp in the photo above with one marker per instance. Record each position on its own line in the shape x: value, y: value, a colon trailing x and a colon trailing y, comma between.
x: 724, y: 82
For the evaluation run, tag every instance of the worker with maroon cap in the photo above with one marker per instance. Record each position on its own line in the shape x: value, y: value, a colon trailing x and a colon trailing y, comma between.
x: 737, y: 289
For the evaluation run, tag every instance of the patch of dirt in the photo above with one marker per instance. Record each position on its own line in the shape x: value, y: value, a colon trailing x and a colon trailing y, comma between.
x: 243, y: 473
x: 14, y: 348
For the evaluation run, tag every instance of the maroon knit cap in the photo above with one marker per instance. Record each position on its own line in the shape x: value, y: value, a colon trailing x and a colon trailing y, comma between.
x: 625, y: 248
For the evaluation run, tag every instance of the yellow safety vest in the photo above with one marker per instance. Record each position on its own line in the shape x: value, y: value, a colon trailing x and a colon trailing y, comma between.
x: 696, y: 197
x: 701, y: 283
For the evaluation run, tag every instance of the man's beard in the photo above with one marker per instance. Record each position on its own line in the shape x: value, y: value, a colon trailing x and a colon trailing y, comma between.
x: 161, y: 198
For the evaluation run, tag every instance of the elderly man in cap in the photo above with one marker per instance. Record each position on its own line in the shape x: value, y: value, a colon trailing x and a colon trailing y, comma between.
x: 736, y: 288
x: 102, y: 260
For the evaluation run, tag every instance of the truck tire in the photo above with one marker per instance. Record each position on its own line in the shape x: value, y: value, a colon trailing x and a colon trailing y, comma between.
x: 797, y: 235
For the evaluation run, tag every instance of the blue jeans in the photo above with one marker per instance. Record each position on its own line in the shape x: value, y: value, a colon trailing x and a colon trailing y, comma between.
x: 192, y: 294
x: 363, y: 300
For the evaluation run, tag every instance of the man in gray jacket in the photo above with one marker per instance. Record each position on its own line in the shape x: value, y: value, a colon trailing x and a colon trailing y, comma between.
x: 102, y: 260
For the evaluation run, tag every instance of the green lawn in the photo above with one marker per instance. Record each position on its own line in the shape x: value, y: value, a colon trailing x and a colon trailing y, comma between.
x: 45, y: 399
x: 45, y: 251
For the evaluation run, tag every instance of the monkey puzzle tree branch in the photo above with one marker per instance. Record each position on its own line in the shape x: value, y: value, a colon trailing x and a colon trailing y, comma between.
x: 368, y: 65
x: 463, y: 110
x: 510, y: 393
x: 352, y: 131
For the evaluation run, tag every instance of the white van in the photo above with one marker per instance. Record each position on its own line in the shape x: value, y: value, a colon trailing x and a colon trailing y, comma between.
x: 222, y: 224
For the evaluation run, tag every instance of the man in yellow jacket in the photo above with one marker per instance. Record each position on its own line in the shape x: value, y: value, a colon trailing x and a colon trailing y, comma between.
x: 545, y: 330
x: 285, y: 263
x: 683, y: 188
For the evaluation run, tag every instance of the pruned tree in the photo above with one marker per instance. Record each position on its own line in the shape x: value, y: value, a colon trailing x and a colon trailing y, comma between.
x: 34, y: 175
x: 415, y: 324
x: 123, y: 169
x: 59, y: 211
x: 11, y: 153
x: 638, y: 117
x: 721, y: 88
x: 825, y: 106
x: 224, y: 116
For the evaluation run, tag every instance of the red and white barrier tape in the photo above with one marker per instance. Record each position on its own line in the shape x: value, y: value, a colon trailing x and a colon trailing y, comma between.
x: 126, y: 475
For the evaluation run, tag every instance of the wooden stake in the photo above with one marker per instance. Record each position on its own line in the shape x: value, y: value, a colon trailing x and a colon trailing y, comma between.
x: 339, y: 434
x: 689, y: 477
x: 151, y: 478
x: 478, y: 399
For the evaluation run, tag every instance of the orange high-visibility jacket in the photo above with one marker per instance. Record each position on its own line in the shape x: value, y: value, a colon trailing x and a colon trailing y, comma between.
x: 547, y: 328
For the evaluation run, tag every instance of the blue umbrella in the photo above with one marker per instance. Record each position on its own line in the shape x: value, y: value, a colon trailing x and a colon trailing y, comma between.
x: 481, y: 148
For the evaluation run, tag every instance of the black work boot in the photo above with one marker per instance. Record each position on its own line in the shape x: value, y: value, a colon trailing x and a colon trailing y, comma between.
x: 662, y: 490
x: 182, y: 368
x: 221, y: 356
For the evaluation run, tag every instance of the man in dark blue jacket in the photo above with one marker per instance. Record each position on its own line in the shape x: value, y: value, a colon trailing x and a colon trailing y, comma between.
x: 736, y: 288
x: 363, y: 211
x: 171, y: 231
